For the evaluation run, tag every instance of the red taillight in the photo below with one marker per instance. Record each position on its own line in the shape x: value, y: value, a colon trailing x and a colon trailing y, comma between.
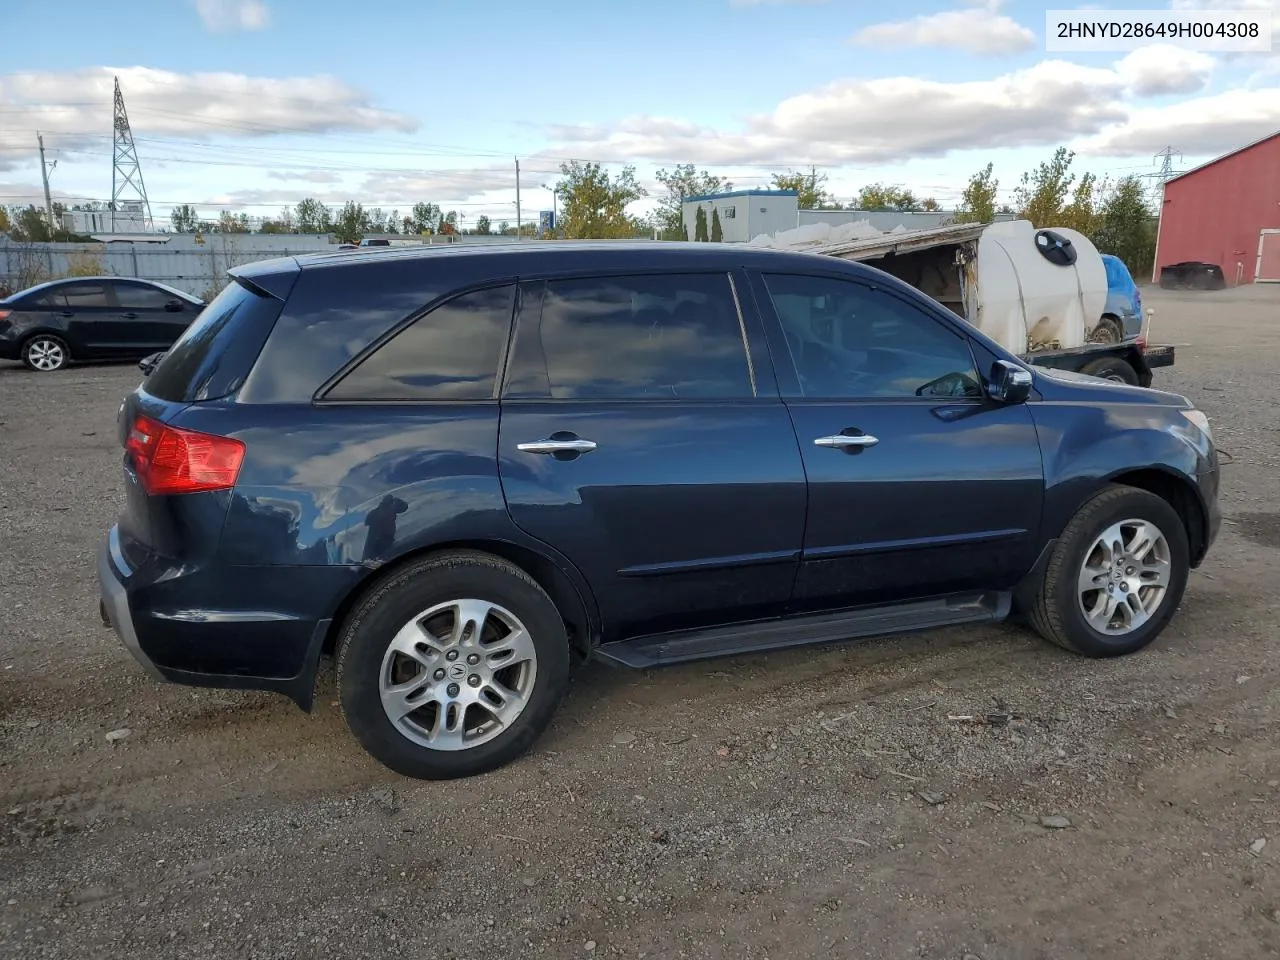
x: 4, y: 314
x: 169, y: 460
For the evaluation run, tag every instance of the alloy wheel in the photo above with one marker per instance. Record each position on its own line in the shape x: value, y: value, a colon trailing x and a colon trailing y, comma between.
x: 46, y: 354
x: 458, y: 674
x: 1124, y: 577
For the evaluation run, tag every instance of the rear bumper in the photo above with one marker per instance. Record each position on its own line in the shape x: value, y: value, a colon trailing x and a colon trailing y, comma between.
x: 167, y: 620
x: 114, y: 603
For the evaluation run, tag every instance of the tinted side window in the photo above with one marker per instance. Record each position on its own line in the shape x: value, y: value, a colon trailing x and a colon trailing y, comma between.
x: 850, y: 341
x: 49, y: 300
x: 450, y: 353
x: 669, y: 337
x: 86, y: 295
x: 133, y: 296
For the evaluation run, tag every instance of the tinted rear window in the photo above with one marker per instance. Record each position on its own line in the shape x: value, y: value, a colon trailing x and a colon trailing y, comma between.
x: 214, y: 354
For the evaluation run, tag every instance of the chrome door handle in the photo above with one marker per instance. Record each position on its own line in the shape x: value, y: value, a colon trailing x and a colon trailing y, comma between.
x: 841, y: 440
x: 557, y: 446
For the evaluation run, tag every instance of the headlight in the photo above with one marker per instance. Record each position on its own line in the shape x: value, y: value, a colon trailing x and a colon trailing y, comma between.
x: 1201, y: 421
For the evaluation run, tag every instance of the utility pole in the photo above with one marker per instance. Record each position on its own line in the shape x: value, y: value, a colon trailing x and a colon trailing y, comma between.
x: 519, y: 222
x: 44, y: 175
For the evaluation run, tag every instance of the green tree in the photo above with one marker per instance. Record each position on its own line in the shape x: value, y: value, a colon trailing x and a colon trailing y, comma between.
x: 425, y: 218
x: 5, y: 224
x: 883, y: 196
x: 1126, y: 226
x: 1043, y: 192
x: 482, y: 226
x: 700, y: 226
x: 229, y: 222
x: 448, y: 223
x: 717, y: 231
x: 393, y: 222
x: 682, y: 182
x: 811, y: 188
x: 978, y: 202
x: 930, y: 205
x: 283, y: 223
x: 594, y: 204
x: 312, y: 216
x: 30, y: 224
x: 1083, y: 212
x: 351, y: 223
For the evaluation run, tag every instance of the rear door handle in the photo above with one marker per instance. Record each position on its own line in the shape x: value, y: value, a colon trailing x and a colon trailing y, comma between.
x: 576, y: 445
x: 843, y: 440
x: 131, y: 316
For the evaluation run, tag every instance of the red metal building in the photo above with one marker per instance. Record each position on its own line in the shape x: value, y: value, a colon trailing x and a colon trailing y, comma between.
x: 1226, y: 211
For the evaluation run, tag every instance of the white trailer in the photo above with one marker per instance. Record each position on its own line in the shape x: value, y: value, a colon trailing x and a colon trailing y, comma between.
x: 1038, y: 293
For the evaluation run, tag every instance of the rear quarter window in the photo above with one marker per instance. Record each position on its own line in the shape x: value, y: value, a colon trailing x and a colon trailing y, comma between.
x: 214, y: 355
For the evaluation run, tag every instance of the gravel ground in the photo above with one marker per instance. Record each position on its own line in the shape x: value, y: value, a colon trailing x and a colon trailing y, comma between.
x: 817, y: 803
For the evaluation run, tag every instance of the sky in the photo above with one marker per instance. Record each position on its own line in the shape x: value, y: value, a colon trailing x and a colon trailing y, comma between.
x: 250, y: 105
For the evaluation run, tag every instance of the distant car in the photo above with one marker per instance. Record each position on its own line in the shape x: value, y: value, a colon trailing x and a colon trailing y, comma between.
x: 1122, y: 316
x: 92, y: 318
x: 375, y: 242
x: 1195, y: 274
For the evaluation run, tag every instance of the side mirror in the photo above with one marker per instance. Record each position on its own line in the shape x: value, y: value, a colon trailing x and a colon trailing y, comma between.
x: 1009, y: 383
x: 174, y: 305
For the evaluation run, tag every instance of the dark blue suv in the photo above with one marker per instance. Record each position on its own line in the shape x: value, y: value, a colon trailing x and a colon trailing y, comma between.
x: 460, y: 470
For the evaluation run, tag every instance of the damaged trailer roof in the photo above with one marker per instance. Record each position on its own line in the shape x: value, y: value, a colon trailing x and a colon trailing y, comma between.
x: 871, y: 248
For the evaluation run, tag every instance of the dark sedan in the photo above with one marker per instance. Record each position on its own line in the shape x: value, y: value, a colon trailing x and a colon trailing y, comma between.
x: 92, y: 318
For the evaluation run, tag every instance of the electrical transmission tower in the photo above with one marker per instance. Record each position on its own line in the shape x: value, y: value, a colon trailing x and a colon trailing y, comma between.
x: 128, y: 192
x: 1165, y: 157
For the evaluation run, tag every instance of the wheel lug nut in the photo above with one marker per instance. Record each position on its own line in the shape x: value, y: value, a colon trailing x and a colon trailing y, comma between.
x: 452, y: 689
x: 439, y: 674
x: 473, y: 659
x: 474, y: 680
x: 451, y: 655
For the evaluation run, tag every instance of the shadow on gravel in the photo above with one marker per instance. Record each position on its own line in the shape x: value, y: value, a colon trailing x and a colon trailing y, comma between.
x: 1261, y: 528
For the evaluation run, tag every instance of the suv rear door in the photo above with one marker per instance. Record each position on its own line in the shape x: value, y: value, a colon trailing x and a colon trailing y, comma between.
x: 918, y: 485
x: 643, y: 438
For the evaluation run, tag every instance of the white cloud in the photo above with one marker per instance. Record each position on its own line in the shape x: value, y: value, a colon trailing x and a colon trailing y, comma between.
x: 1202, y: 126
x: 979, y: 30
x: 1164, y: 69
x: 225, y: 15
x: 875, y: 121
x: 73, y: 108
x: 307, y: 176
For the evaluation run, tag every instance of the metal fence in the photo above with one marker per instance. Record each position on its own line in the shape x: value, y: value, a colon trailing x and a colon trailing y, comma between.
x: 198, y: 269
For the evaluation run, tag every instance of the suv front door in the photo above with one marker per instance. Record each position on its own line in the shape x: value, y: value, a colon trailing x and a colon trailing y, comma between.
x: 640, y: 440
x: 919, y: 486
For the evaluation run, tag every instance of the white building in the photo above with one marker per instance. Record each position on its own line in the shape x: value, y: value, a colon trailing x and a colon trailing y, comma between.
x: 746, y: 214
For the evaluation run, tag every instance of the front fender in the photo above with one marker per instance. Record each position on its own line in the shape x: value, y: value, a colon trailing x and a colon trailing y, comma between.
x: 1086, y: 446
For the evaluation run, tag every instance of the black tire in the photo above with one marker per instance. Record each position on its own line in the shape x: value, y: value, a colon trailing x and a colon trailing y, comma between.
x: 37, y: 349
x: 1109, y: 330
x: 393, y: 603
x: 1055, y: 612
x: 1112, y: 368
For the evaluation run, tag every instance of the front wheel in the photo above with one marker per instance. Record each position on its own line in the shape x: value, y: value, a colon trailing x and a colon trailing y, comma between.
x: 44, y: 353
x: 453, y: 666
x: 1116, y: 575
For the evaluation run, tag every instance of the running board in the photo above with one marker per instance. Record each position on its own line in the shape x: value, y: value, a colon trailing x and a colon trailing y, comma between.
x: 659, y: 650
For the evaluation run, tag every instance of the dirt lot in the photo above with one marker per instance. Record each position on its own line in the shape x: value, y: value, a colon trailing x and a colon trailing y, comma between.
x: 815, y: 803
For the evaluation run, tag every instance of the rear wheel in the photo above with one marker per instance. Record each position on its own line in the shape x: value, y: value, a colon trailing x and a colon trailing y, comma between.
x: 45, y: 353
x: 1107, y: 331
x: 1112, y: 368
x: 453, y: 666
x: 1115, y: 577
